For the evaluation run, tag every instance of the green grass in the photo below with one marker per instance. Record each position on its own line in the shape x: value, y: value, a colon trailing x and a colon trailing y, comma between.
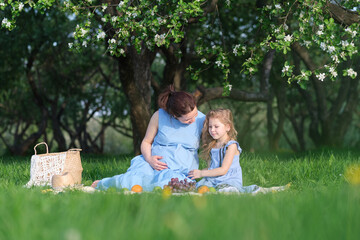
x: 319, y: 205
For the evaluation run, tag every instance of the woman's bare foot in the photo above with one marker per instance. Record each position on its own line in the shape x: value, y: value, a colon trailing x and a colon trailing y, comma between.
x: 95, y: 183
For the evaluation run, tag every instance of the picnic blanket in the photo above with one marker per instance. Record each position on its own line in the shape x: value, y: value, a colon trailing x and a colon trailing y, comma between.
x: 89, y: 189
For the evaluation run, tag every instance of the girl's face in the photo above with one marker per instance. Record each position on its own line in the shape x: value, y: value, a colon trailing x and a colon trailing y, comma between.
x: 190, y: 117
x: 218, y: 130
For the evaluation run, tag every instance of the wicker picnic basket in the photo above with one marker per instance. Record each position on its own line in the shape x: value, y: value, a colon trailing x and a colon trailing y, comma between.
x: 48, y: 165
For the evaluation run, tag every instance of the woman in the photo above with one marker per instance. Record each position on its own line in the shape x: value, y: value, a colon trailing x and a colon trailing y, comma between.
x: 169, y: 148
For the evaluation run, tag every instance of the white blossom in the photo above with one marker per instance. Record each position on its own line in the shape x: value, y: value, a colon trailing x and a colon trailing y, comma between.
x: 218, y: 63
x: 104, y: 7
x: 83, y: 32
x: 122, y: 51
x: 288, y: 38
x: 351, y: 72
x: 229, y: 86
x: 321, y: 27
x: 285, y: 68
x: 2, y: 4
x: 332, y: 71
x: 159, y: 39
x: 6, y: 22
x: 121, y: 3
x: 344, y: 43
x: 84, y: 43
x: 114, y: 19
x: 21, y: 6
x: 323, y: 46
x: 203, y: 60
x: 321, y: 76
x: 331, y: 49
x: 319, y: 32
x: 301, y: 29
x: 101, y: 35
x: 353, y: 33
x: 277, y: 6
x: 286, y: 27
x: 70, y: 45
x: 235, y: 51
x: 335, y: 58
x: 342, y: 55
x: 307, y: 43
x: 348, y: 30
x: 103, y: 19
x: 251, y: 70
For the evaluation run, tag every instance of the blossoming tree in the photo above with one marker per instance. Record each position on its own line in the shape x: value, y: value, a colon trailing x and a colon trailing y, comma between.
x: 134, y: 31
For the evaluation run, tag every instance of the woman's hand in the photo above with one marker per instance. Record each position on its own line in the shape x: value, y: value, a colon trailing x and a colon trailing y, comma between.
x: 156, y: 164
x: 193, y: 174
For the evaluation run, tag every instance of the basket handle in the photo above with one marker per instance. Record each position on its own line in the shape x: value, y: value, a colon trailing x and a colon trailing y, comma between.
x: 47, y: 148
x: 75, y: 149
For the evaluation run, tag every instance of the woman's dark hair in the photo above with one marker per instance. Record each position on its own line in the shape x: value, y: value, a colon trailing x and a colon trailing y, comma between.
x: 176, y: 103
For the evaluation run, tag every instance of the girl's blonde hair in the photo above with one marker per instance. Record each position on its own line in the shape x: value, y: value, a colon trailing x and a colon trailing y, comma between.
x: 225, y: 117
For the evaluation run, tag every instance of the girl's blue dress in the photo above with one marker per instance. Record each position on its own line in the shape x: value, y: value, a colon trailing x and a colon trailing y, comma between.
x: 176, y: 142
x: 233, y: 178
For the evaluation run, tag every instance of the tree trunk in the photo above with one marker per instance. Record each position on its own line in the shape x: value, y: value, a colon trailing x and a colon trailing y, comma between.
x: 21, y: 145
x: 135, y: 77
x: 55, y: 121
x: 328, y: 126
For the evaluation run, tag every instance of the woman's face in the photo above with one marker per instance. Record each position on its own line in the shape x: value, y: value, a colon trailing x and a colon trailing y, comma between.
x: 189, y: 118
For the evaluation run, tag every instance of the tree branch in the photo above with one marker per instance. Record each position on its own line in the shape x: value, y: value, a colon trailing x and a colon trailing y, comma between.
x: 342, y: 15
x: 203, y: 95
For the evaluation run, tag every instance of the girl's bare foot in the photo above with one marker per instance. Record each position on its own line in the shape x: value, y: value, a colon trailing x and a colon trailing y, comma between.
x: 95, y: 183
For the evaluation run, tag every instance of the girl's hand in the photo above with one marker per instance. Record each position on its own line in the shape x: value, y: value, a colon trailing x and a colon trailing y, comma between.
x: 156, y: 164
x: 193, y: 174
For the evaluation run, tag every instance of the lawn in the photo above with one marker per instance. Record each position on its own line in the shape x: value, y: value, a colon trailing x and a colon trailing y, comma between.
x: 320, y: 203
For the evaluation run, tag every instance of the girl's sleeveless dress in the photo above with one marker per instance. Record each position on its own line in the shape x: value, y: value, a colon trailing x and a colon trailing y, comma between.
x: 176, y: 142
x: 232, y: 180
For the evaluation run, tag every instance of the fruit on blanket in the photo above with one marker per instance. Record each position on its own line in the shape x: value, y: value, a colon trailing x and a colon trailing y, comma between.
x: 137, y: 188
x: 203, y: 189
x: 166, y: 193
x: 212, y: 189
x: 182, y: 185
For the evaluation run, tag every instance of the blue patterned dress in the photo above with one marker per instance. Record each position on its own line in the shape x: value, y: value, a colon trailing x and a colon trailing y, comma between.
x: 233, y: 178
x: 176, y: 142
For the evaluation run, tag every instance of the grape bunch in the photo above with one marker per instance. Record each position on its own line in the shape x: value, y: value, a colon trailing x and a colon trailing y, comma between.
x: 177, y: 186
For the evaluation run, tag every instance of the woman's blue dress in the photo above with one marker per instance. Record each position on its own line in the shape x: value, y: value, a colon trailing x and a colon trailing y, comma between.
x: 176, y: 142
x: 233, y: 178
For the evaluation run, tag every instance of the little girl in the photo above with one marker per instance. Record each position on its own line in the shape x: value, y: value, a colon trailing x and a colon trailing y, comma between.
x: 222, y: 153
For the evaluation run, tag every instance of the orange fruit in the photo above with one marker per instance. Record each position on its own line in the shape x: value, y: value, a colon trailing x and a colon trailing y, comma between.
x: 136, y: 188
x: 203, y: 189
